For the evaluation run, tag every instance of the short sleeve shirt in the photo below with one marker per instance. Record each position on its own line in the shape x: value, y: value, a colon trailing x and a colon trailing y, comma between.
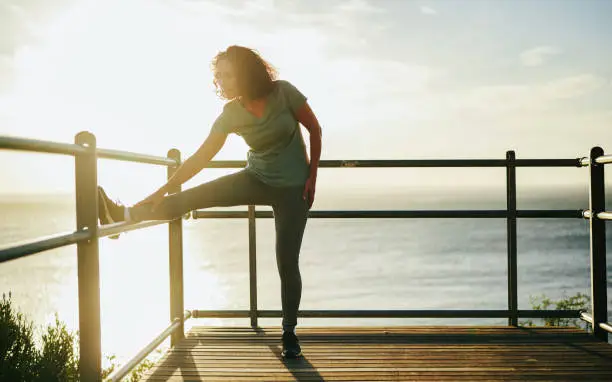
x: 277, y: 153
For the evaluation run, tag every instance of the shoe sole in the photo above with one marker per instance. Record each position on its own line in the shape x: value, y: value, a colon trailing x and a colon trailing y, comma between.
x: 105, y: 210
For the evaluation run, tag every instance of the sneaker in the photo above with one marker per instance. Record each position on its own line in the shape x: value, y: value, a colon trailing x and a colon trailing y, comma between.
x: 291, y: 345
x: 109, y: 211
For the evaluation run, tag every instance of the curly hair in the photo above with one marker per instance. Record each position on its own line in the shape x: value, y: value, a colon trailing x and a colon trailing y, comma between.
x: 254, y: 76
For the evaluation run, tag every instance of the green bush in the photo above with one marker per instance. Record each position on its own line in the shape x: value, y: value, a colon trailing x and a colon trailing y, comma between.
x: 579, y: 301
x: 19, y: 358
x: 57, y: 358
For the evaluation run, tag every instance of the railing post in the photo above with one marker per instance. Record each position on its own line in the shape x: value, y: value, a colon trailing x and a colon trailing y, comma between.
x: 511, y: 228
x: 175, y: 244
x: 252, y: 267
x: 86, y: 192
x: 597, y: 204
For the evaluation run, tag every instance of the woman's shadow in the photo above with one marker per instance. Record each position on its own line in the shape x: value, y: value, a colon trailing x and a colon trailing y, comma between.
x: 300, y: 368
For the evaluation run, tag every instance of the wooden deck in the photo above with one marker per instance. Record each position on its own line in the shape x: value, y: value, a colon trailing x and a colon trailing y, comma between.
x: 388, y: 354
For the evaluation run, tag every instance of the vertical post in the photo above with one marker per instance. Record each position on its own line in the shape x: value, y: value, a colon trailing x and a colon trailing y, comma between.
x: 86, y: 183
x: 597, y: 201
x: 252, y: 267
x: 511, y: 228
x: 175, y: 244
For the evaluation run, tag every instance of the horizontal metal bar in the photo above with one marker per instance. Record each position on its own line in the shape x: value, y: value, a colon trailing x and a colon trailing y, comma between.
x: 18, y: 250
x: 390, y: 313
x: 584, y: 161
x: 117, y: 228
x: 606, y: 215
x: 548, y: 313
x: 393, y: 214
x: 423, y: 163
x: 589, y: 318
x: 574, y: 162
x: 604, y: 159
x: 40, y: 146
x: 135, y: 157
x: 132, y: 363
x: 416, y: 163
x: 606, y: 326
x: 584, y: 316
x: 26, y: 144
x: 549, y: 214
x: 602, y: 215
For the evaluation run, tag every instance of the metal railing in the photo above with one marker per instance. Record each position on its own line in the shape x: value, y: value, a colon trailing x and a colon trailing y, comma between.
x: 511, y: 213
x: 88, y: 233
x: 86, y: 238
x: 597, y: 216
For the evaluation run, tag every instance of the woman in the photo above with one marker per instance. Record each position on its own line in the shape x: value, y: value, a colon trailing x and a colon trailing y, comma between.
x: 266, y: 113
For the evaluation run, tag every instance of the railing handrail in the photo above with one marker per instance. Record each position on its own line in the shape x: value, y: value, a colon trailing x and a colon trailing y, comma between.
x: 88, y: 232
x: 124, y: 370
x: 605, y: 215
x: 395, y: 214
x: 411, y: 163
x: 584, y: 316
x: 15, y: 251
x: 40, y: 146
x: 394, y: 313
x: 43, y: 146
x: 51, y: 147
x: 604, y: 159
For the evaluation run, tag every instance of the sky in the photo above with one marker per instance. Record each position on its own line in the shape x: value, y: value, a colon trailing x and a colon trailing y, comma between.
x: 388, y: 79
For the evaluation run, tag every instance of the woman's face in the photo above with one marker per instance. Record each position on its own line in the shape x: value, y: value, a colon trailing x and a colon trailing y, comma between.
x: 226, y: 78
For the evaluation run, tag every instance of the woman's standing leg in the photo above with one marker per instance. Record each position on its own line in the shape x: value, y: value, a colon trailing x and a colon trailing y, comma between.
x: 290, y: 216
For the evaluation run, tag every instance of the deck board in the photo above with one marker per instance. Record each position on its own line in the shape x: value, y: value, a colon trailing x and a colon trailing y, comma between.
x: 440, y: 353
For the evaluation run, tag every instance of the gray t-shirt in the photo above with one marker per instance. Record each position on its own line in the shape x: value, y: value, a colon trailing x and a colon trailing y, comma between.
x: 277, y: 153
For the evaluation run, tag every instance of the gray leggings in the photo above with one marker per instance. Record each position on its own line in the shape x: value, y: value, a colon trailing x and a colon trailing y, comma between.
x: 243, y: 188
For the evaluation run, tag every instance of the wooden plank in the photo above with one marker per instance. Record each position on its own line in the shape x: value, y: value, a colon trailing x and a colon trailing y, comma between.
x: 388, y: 353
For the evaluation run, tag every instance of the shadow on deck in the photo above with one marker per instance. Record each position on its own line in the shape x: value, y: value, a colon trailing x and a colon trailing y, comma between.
x: 388, y: 354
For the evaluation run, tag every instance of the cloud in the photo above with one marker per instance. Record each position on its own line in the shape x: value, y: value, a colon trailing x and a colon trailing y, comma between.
x: 368, y: 79
x: 537, y: 56
x: 428, y: 10
x: 573, y: 87
x: 497, y: 99
x: 338, y: 28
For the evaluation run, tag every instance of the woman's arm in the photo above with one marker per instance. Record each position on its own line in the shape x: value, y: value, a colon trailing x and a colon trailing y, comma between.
x: 306, y: 117
x: 190, y: 167
x: 195, y: 163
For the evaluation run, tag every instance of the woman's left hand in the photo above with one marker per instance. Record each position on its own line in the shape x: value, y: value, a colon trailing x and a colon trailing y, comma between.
x: 309, y: 190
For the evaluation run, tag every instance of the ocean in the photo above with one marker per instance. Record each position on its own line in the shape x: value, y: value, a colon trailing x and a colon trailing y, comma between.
x: 345, y: 263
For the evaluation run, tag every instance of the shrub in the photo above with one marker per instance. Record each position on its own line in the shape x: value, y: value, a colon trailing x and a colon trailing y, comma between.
x: 19, y: 358
x: 579, y: 301
x: 57, y: 358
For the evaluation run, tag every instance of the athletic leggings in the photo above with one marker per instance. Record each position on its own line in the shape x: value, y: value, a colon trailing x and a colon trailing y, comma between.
x: 243, y: 188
